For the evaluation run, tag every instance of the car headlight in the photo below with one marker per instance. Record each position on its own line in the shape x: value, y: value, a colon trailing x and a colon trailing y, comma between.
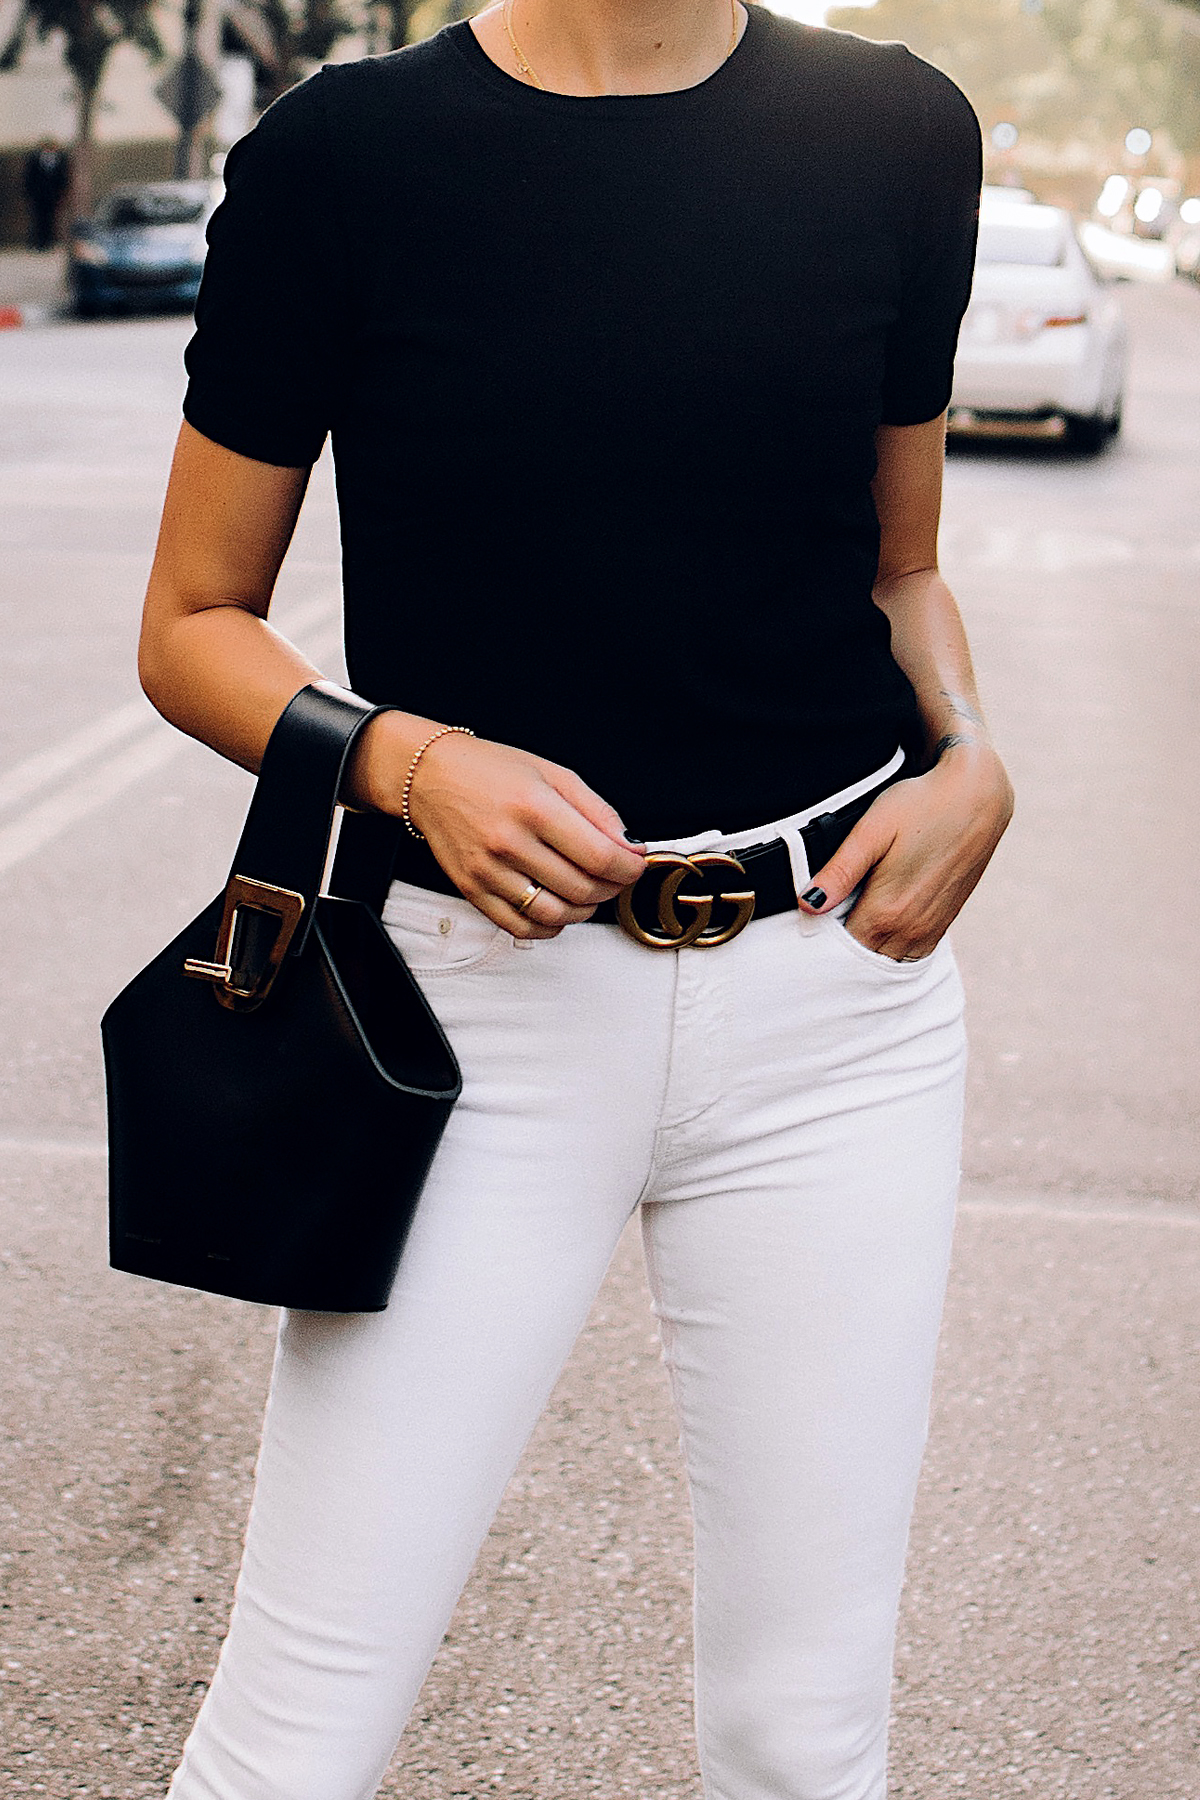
x: 85, y: 251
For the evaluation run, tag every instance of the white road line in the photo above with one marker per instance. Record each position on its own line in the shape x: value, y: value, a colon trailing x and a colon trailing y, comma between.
x: 34, y: 1146
x: 49, y: 765
x: 1057, y: 552
x: 94, y: 1150
x: 155, y: 744
x: 48, y: 818
x: 1180, y: 1220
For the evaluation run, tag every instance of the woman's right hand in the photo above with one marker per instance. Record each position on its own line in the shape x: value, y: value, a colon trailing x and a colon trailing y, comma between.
x: 498, y: 819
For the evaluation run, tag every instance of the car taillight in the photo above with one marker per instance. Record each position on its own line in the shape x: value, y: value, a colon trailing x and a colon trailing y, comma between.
x: 1065, y: 319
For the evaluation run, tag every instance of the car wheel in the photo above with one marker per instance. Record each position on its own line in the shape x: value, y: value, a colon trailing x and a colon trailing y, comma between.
x: 1088, y: 432
x: 1116, y: 419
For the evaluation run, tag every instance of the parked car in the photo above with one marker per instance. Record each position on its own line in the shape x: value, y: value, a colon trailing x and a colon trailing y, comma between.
x: 1187, y: 252
x: 142, y: 247
x: 1120, y: 256
x: 994, y: 190
x: 1044, y: 338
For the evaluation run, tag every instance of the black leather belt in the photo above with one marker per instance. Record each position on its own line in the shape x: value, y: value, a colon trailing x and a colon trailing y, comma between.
x: 705, y: 899
x: 700, y: 900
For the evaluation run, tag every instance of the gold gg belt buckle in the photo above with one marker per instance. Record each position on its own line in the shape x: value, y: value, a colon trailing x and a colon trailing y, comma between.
x: 670, y: 869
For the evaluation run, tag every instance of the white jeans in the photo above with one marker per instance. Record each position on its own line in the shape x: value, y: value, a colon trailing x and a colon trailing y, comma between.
x: 786, y: 1109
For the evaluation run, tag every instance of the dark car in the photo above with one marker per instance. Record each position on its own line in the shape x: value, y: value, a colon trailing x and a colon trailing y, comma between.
x: 143, y: 247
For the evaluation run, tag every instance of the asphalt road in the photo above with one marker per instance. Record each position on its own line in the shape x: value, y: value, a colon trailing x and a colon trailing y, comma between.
x: 1051, y: 1631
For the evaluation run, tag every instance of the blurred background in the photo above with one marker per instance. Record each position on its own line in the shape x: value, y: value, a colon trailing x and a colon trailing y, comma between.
x: 1050, y: 1638
x: 1093, y: 104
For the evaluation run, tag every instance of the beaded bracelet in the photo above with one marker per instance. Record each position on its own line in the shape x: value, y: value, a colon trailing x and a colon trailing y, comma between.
x: 444, y: 731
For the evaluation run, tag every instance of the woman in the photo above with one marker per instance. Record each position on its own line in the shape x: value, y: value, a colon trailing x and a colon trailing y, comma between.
x: 633, y: 323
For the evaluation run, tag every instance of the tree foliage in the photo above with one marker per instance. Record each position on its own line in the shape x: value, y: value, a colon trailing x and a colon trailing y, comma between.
x: 91, y: 31
x: 303, y: 34
x: 411, y: 19
x: 1060, y: 69
x: 1139, y: 59
x: 305, y: 31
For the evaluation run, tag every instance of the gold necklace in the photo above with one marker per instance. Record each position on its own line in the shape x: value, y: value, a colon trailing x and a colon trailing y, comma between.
x: 526, y: 68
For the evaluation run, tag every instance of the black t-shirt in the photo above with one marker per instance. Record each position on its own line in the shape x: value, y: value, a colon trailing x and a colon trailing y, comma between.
x: 603, y: 377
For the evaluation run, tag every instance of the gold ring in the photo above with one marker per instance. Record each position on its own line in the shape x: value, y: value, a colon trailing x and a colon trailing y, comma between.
x: 527, y: 898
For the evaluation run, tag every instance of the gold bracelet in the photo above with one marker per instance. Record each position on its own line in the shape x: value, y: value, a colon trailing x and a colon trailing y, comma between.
x: 443, y: 731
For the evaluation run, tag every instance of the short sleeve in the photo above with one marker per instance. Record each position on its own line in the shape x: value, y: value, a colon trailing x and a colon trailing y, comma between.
x: 270, y: 316
x: 919, y: 360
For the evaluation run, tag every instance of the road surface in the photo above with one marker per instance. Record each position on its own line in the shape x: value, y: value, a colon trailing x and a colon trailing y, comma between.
x: 1051, y: 1632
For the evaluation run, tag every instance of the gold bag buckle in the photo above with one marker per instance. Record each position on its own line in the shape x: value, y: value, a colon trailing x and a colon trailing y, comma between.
x: 698, y: 932
x: 244, y: 894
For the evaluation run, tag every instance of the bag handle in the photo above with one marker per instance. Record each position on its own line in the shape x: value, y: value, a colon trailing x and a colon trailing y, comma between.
x: 271, y: 894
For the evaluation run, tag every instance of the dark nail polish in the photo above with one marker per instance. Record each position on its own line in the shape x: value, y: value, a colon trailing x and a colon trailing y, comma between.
x: 814, y: 897
x: 633, y: 837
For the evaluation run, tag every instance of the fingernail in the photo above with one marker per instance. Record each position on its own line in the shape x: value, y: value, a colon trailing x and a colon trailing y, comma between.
x: 633, y: 838
x: 815, y: 897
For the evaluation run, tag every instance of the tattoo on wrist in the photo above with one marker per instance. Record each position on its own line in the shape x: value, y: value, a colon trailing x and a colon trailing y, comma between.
x: 951, y: 741
x: 962, y: 709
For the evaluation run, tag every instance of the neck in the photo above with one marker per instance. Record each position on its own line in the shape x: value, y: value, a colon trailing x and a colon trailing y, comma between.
x: 594, y: 47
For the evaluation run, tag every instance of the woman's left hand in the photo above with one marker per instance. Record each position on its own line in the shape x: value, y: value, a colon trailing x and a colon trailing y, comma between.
x: 918, y: 852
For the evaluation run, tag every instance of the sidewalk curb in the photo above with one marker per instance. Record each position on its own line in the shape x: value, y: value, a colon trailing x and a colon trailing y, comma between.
x: 12, y: 317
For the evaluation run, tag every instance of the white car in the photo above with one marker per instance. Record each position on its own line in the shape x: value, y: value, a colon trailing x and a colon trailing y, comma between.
x: 1121, y: 257
x: 1043, y: 339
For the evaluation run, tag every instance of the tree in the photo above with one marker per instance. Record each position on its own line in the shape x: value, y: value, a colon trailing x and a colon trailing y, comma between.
x: 305, y: 31
x: 91, y: 31
x: 402, y: 21
x: 1059, y: 69
x: 999, y: 51
x: 304, y: 34
x: 1141, y: 56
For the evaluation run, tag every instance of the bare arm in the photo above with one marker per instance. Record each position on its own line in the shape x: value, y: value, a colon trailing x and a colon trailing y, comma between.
x: 922, y: 847
x: 496, y: 817
x: 207, y: 657
x: 928, y: 640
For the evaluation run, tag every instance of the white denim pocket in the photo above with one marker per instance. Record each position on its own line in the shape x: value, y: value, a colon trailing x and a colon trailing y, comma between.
x: 841, y: 933
x: 438, y: 934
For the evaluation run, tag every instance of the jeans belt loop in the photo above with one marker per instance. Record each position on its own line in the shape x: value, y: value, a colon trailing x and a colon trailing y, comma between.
x: 797, y: 849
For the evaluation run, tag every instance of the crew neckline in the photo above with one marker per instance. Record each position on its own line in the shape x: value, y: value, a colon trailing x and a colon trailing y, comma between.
x: 524, y: 93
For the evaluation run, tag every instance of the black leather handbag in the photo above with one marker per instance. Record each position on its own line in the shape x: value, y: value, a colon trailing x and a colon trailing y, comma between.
x: 274, y: 1103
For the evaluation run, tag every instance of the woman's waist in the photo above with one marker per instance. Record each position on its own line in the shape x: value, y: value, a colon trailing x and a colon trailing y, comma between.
x: 722, y: 817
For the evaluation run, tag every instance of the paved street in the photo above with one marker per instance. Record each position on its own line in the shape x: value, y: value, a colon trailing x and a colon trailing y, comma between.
x: 1051, y: 1634
x: 33, y: 281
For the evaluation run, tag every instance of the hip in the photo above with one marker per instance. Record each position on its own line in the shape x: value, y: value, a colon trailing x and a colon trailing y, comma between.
x: 789, y: 1002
